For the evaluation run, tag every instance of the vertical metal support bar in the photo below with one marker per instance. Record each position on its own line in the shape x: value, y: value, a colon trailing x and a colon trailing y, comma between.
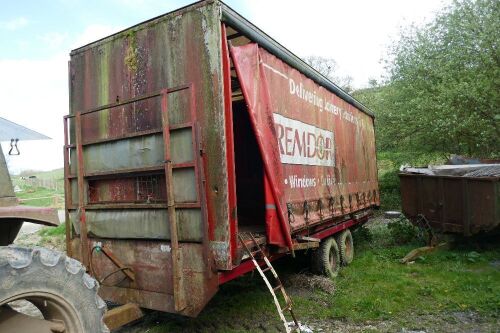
x: 81, y: 191
x: 179, y: 299
x: 442, y: 202
x: 67, y: 188
x: 228, y: 117
x: 200, y: 180
x: 420, y: 188
x: 465, y: 205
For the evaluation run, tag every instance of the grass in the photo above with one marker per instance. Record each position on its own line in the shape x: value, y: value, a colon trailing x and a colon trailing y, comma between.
x: 377, y: 287
x: 58, y: 231
x: 40, y: 197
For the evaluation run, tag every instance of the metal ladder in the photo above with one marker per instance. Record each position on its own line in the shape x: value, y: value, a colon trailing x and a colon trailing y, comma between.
x: 279, y: 286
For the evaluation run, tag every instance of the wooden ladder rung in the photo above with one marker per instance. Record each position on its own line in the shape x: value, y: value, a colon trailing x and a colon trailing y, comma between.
x: 286, y: 308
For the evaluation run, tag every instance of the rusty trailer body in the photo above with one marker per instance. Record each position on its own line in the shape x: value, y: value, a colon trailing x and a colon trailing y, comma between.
x: 191, y: 128
x: 453, y: 201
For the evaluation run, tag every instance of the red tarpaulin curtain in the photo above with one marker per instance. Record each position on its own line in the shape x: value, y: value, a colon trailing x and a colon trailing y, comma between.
x: 255, y: 90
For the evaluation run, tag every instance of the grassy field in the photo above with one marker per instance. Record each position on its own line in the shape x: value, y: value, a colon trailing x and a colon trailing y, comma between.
x: 34, y: 195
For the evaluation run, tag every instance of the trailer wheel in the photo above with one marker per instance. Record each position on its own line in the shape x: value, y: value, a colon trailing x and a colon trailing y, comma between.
x: 346, y: 247
x: 56, y: 285
x: 326, y: 260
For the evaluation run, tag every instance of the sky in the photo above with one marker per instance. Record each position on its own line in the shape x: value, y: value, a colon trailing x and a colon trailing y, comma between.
x: 36, y: 37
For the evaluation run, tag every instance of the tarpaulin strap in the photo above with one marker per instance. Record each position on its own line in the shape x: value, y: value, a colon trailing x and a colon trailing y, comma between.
x: 331, y: 204
x: 291, y: 217
x: 342, y: 203
x: 306, y: 211
x: 320, y: 207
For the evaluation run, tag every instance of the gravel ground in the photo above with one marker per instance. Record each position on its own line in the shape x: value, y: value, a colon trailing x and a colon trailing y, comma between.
x: 458, y: 322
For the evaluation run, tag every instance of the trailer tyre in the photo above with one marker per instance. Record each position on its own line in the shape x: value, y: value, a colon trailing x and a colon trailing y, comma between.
x: 326, y: 260
x: 346, y: 247
x: 56, y: 284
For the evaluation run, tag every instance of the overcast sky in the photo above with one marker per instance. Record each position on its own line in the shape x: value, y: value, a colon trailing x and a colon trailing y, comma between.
x: 36, y: 37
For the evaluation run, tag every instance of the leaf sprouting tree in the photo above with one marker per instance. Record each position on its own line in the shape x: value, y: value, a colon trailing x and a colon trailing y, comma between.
x: 442, y: 93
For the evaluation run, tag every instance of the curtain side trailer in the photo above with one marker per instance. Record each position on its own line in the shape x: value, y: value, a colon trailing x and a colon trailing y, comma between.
x: 191, y: 131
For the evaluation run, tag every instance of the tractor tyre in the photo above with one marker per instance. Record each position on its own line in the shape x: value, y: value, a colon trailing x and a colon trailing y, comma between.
x: 56, y: 285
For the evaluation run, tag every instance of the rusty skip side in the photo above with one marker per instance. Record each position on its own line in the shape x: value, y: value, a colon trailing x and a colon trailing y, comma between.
x: 454, y: 204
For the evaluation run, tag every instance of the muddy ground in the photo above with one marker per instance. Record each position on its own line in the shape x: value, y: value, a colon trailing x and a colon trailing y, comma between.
x: 459, y: 322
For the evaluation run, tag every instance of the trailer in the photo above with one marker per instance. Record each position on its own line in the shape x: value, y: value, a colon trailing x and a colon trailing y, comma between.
x: 193, y: 137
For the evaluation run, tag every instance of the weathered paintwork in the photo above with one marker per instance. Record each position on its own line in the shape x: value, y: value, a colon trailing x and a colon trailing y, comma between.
x: 319, y: 151
x: 150, y: 165
x: 454, y: 204
x: 122, y: 147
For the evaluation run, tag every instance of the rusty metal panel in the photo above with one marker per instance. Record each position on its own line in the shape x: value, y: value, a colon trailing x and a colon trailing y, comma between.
x: 118, y: 89
x: 171, y: 50
x: 150, y: 261
x: 152, y: 264
x: 455, y: 204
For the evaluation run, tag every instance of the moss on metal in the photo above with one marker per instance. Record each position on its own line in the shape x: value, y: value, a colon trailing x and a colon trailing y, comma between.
x: 103, y: 93
x: 132, y: 53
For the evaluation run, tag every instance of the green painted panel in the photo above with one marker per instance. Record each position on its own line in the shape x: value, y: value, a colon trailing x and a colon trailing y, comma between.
x: 185, y: 189
x: 141, y: 224
x: 124, y: 154
x: 179, y: 107
x: 181, y: 145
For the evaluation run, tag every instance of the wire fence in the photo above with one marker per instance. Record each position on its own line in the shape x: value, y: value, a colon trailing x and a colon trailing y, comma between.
x: 52, y: 184
x: 55, y: 201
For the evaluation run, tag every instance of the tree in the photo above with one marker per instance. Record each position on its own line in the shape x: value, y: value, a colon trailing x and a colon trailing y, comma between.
x: 443, y: 88
x: 328, y: 67
x: 446, y: 81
